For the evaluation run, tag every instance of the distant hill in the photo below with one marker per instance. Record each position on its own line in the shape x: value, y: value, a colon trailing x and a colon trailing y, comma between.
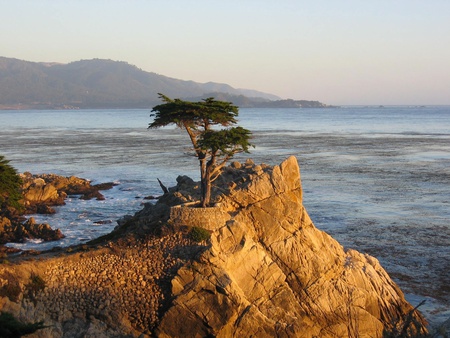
x: 105, y: 84
x: 259, y: 102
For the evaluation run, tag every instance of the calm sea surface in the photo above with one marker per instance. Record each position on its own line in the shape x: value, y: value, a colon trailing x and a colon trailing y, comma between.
x: 376, y: 179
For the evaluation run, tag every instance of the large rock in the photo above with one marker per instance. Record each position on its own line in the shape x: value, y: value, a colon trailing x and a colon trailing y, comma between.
x: 18, y: 232
x: 40, y: 192
x: 270, y: 272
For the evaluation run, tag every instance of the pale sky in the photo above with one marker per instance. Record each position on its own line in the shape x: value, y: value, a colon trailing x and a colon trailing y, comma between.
x: 337, y: 52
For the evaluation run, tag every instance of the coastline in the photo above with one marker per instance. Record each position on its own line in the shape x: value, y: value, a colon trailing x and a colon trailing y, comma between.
x: 374, y: 178
x: 263, y: 196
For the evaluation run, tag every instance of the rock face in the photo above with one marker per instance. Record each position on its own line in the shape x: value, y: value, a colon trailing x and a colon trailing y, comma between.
x: 265, y: 271
x: 269, y: 272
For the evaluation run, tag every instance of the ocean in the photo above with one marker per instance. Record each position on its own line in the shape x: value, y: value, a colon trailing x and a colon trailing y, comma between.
x: 377, y: 179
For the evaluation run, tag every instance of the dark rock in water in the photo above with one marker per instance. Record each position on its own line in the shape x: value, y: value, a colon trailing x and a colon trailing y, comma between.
x: 34, y: 230
x: 108, y: 221
x: 93, y: 194
x: 151, y: 197
x: 94, y: 191
x: 104, y: 186
x: 44, y: 209
x: 13, y: 231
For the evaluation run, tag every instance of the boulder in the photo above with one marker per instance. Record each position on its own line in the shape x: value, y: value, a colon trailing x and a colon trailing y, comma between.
x: 43, y: 193
x: 17, y: 232
x: 43, y: 231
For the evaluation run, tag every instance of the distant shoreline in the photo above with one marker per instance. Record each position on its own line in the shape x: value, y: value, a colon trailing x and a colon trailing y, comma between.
x: 270, y: 104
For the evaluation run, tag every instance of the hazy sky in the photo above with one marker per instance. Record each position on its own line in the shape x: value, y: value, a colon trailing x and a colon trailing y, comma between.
x: 337, y: 52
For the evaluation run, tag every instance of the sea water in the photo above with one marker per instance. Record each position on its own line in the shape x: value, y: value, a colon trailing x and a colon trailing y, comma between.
x: 375, y: 178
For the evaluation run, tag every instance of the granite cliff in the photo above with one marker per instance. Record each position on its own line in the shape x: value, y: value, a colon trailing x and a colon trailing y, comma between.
x: 264, y: 271
x: 270, y: 272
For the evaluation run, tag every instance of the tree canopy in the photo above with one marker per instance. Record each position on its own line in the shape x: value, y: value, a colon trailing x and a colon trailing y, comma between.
x: 212, y: 147
x: 195, y: 114
x: 10, y: 185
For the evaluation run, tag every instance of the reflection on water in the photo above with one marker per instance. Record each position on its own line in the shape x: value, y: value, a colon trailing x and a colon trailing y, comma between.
x: 376, y: 180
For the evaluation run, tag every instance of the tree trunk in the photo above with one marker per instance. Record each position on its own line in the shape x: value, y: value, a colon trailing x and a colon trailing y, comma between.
x: 209, y: 168
x: 206, y: 198
x: 202, y: 159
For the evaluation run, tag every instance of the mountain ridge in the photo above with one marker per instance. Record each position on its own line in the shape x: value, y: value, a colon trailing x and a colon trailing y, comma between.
x: 103, y: 83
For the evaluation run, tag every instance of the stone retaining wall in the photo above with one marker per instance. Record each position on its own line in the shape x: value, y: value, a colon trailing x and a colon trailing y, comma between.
x: 210, y: 218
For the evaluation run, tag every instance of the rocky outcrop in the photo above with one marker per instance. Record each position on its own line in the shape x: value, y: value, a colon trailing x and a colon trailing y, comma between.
x: 40, y: 192
x: 270, y: 272
x: 16, y: 230
x: 265, y: 271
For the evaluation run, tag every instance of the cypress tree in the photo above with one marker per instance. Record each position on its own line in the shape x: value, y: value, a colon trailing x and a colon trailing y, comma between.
x: 10, y: 186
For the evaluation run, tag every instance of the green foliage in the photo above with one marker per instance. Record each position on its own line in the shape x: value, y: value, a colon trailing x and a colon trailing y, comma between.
x: 212, y: 147
x: 199, y: 234
x: 10, y: 327
x: 193, y: 114
x: 225, y: 142
x: 10, y: 186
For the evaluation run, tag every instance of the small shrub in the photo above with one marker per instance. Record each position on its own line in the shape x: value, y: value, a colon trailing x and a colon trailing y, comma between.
x: 35, y: 285
x: 11, y: 289
x: 199, y: 234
